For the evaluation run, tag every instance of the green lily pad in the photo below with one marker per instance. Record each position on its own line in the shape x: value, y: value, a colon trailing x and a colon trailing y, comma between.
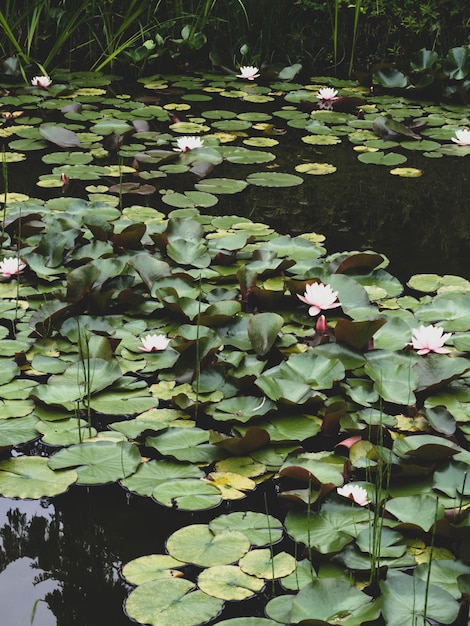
x: 380, y: 158
x: 68, y: 158
x: 65, y: 432
x: 261, y: 529
x: 187, y: 495
x: 407, y: 599
x: 333, y: 601
x: 248, y: 621
x: 150, y: 567
x: 329, y: 530
x: 420, y: 511
x: 321, y: 139
x: 263, y: 564
x: 229, y: 582
x: 31, y: 477
x: 98, y: 462
x: 169, y: 602
x: 152, y: 473
x: 246, y: 156
x: 190, y: 199
x: 17, y: 430
x: 221, y: 185
x: 444, y: 574
x: 274, y: 179
x: 197, y: 544
x: 186, y: 444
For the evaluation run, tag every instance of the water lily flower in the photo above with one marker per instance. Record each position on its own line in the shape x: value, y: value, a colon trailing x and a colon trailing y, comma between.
x: 250, y: 72
x: 354, y: 492
x: 430, y: 339
x: 185, y: 144
x: 326, y: 96
x: 41, y: 81
x: 11, y: 266
x: 320, y: 297
x: 154, y: 343
x: 462, y: 137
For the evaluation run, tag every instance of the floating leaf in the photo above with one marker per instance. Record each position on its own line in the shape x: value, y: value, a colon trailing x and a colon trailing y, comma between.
x: 408, y: 600
x: 59, y: 135
x: 229, y: 582
x: 317, y: 169
x: 407, y: 172
x: 274, y: 179
x: 168, y: 602
x: 98, y: 462
x: 197, y: 544
x: 380, y: 158
x: 31, y: 477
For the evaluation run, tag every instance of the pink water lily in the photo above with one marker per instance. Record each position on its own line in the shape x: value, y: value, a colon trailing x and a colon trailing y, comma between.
x: 250, y: 72
x: 154, y: 343
x: 11, y: 266
x: 430, y: 338
x: 41, y: 81
x: 185, y: 144
x: 462, y: 137
x: 320, y: 297
x: 354, y: 492
x: 326, y: 97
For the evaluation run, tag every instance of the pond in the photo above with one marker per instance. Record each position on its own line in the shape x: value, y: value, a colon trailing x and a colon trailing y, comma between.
x: 213, y: 465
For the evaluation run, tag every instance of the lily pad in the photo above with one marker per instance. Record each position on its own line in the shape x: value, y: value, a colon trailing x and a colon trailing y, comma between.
x: 408, y: 601
x: 98, y: 462
x: 380, y: 158
x: 197, y: 544
x: 31, y: 477
x: 169, y: 602
x: 274, y: 179
x: 316, y: 169
x: 229, y: 582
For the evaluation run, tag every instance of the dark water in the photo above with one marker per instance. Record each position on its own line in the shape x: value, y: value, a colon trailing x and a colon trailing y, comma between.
x: 421, y: 224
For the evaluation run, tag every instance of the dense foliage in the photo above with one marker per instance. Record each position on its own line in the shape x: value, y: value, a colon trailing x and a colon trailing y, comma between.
x: 197, y: 359
x: 334, y: 35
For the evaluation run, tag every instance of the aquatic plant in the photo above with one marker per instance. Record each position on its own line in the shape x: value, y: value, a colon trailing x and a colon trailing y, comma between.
x: 185, y: 144
x: 41, y: 81
x: 250, y: 72
x: 252, y: 395
x: 462, y: 137
x: 11, y: 266
x: 319, y: 297
x: 426, y: 339
x: 152, y: 343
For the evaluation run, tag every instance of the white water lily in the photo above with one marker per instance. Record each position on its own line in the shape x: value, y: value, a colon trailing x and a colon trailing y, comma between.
x: 185, y: 144
x: 354, y: 492
x: 41, y: 81
x: 430, y: 339
x: 462, y: 137
x: 11, y: 266
x: 326, y: 96
x: 250, y: 72
x: 320, y: 297
x: 154, y: 343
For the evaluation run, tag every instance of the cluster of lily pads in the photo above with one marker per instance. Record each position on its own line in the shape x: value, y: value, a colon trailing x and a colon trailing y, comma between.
x: 196, y: 359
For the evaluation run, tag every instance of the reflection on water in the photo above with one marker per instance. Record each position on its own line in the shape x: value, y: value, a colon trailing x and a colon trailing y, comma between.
x: 23, y: 593
x: 68, y: 555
